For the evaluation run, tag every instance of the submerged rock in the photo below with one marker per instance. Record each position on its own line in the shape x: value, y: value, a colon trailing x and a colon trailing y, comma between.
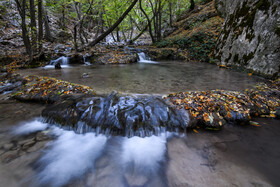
x: 116, y: 114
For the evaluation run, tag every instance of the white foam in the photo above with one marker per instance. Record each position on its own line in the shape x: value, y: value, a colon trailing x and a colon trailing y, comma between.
x: 145, y: 154
x: 144, y: 59
x: 30, y: 127
x: 62, y: 60
x: 52, y: 66
x: 70, y: 156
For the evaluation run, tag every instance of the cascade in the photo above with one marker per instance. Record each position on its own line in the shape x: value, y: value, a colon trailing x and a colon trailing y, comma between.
x: 64, y: 62
x: 143, y: 58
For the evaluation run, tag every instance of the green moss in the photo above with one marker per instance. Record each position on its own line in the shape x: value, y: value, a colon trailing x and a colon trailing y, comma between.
x: 3, y: 11
x: 247, y: 14
x: 199, y: 45
x: 248, y: 57
x: 236, y: 58
x: 243, y: 11
x: 163, y: 43
x: 263, y: 5
x: 274, y: 8
x: 277, y: 30
x: 250, y: 35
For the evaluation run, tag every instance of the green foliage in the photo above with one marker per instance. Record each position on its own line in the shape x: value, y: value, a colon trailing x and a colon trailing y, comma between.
x: 199, y: 45
x: 163, y: 43
x: 3, y: 11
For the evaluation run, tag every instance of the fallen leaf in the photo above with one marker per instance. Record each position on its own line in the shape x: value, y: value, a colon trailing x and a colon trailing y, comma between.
x: 195, y: 131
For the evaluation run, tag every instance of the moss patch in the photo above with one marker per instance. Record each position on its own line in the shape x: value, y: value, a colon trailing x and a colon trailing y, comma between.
x: 247, y: 58
x: 199, y: 45
x: 277, y: 30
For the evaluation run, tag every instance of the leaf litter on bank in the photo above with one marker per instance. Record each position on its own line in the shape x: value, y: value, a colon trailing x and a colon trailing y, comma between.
x: 213, y: 109
x: 48, y: 90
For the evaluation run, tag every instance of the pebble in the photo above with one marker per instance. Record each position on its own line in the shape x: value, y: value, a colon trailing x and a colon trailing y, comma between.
x: 7, y: 146
x: 28, y: 145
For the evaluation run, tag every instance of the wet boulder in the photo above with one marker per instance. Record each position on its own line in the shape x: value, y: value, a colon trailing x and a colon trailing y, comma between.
x: 57, y: 66
x: 278, y: 113
x: 250, y: 37
x: 76, y: 59
x: 10, y: 87
x: 117, y: 114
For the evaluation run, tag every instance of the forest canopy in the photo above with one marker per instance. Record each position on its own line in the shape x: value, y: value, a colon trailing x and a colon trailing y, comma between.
x: 88, y: 22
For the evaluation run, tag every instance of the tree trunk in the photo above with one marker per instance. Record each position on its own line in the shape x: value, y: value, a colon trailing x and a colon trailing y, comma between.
x: 132, y: 28
x: 170, y: 14
x: 33, y: 25
x: 118, y: 35
x: 40, y: 25
x: 112, y: 33
x: 156, y: 22
x: 75, y: 39
x: 140, y: 34
x: 48, y: 34
x: 149, y: 22
x: 159, y: 21
x: 192, y: 4
x: 124, y: 36
x: 25, y: 37
x: 111, y: 29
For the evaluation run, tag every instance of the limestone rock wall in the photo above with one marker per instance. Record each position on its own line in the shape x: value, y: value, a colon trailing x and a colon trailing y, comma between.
x: 250, y: 37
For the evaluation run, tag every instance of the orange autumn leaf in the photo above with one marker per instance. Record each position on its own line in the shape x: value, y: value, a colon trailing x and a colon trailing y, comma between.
x: 195, y: 131
x: 253, y: 123
x: 206, y: 117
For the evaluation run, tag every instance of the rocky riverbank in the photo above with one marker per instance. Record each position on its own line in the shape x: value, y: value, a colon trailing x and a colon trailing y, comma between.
x: 75, y: 103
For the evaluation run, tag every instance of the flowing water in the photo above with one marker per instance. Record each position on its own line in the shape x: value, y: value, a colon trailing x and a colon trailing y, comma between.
x: 64, y: 63
x: 36, y: 153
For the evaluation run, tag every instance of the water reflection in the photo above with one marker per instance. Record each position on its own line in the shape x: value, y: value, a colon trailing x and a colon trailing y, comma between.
x: 165, y: 77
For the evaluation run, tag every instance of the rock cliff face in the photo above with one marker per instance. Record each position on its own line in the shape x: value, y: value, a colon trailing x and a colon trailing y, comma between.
x: 250, y: 37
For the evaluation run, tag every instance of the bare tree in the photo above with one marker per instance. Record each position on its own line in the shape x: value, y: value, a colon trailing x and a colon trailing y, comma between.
x: 111, y: 29
x: 33, y: 25
x: 21, y: 9
x: 48, y: 34
x: 40, y: 25
x: 192, y: 4
x: 149, y: 21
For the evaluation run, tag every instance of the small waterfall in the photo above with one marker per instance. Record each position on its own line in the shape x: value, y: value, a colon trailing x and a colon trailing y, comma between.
x: 144, y: 59
x: 64, y: 62
x: 85, y: 58
x: 70, y: 157
x: 118, y: 115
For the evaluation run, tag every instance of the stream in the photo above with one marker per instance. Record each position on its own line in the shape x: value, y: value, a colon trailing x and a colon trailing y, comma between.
x: 149, y: 77
x: 36, y: 153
